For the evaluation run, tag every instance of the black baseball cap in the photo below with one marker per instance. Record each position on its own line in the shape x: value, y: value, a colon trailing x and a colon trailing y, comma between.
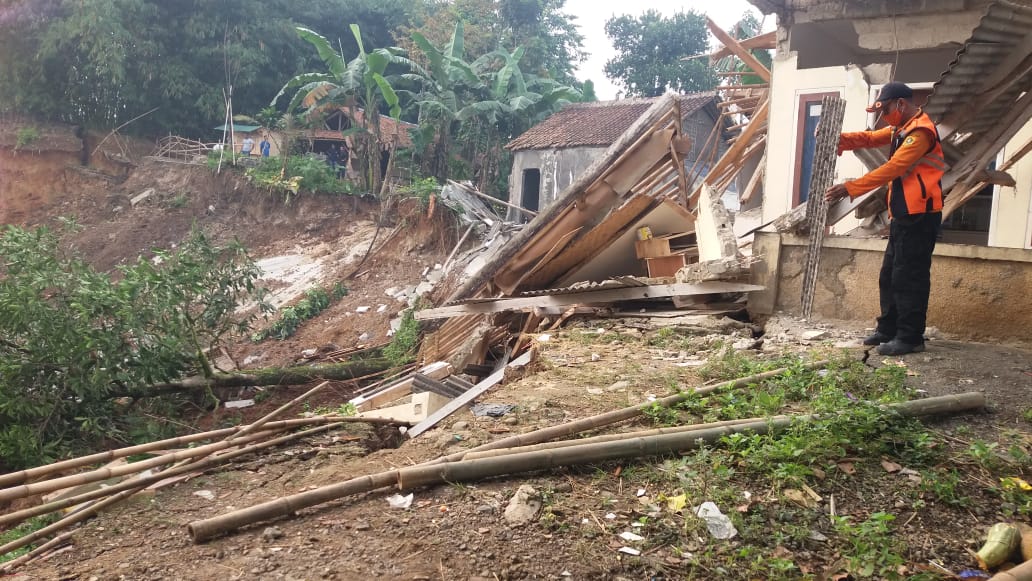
x: 891, y: 92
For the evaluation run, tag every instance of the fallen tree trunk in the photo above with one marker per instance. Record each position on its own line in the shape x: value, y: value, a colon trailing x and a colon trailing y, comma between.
x: 517, y: 462
x: 269, y: 376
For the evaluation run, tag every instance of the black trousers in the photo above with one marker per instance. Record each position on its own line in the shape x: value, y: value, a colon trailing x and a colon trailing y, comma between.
x: 905, y: 279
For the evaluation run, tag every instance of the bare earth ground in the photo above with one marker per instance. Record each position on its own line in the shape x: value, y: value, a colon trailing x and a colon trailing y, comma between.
x: 458, y: 531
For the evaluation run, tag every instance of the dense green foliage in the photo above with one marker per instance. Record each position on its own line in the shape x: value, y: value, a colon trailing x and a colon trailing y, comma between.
x: 103, y: 62
x: 301, y: 173
x: 650, y: 51
x: 316, y: 301
x: 72, y: 339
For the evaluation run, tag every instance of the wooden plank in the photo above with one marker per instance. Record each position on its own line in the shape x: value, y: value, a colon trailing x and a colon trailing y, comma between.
x: 738, y: 50
x: 587, y: 297
x: 755, y: 180
x: 765, y: 41
x: 955, y: 200
x: 468, y: 397
x: 403, y: 387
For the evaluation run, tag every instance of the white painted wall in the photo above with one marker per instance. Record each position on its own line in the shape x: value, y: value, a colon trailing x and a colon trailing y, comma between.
x: 1011, y: 226
x: 789, y: 83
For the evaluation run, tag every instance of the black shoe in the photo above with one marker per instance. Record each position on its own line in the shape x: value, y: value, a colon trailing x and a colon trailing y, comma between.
x: 877, y: 338
x: 897, y: 347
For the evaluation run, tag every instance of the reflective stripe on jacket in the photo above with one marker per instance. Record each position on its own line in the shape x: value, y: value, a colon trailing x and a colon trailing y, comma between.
x: 919, y: 189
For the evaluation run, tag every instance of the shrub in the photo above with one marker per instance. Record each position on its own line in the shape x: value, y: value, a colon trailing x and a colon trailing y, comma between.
x: 316, y: 300
x: 26, y: 137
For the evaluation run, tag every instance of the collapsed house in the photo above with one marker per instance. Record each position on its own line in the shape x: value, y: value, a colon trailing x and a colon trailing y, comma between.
x: 970, y: 63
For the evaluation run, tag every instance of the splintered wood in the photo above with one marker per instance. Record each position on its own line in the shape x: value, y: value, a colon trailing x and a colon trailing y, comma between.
x: 824, y: 158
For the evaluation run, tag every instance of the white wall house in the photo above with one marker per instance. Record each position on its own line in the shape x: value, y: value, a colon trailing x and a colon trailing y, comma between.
x: 850, y: 49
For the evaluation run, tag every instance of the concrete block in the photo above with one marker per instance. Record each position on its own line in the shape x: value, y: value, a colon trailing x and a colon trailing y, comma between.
x: 419, y: 406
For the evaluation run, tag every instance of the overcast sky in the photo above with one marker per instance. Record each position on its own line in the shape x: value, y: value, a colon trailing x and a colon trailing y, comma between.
x: 592, y: 15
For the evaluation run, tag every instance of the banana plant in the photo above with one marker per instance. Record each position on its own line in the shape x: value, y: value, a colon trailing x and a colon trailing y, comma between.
x: 361, y: 83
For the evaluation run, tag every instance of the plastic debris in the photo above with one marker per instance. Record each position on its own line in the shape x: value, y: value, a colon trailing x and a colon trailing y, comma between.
x: 717, y: 522
x: 240, y: 403
x: 399, y: 501
x: 205, y: 494
x: 629, y: 551
x: 610, y: 516
x: 544, y: 338
x: 631, y: 537
x: 362, y: 309
x: 494, y: 410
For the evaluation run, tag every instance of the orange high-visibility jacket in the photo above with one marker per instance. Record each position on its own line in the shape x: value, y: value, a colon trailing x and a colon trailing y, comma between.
x: 914, y: 185
x: 919, y: 189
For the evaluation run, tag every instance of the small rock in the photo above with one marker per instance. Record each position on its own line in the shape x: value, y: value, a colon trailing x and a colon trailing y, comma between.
x: 485, y: 509
x: 523, y: 507
x: 205, y: 494
x: 309, y: 353
x: 362, y: 526
x: 460, y: 425
x: 511, y: 421
x: 252, y: 359
x: 563, y: 487
x: 817, y: 536
x: 363, y: 337
x: 381, y: 308
x: 271, y: 534
x: 595, y: 357
x: 814, y: 335
x: 619, y: 386
x: 362, y: 309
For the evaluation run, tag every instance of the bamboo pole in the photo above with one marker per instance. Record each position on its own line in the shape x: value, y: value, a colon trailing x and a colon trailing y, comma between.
x: 601, y: 420
x: 15, y: 563
x: 269, y: 416
x: 518, y: 462
x: 14, y: 478
x: 613, y: 437
x: 214, y: 460
x: 244, y: 436
x: 99, y: 474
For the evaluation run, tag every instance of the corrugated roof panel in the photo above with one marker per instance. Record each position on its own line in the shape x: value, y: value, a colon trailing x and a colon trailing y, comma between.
x: 596, y: 124
x: 1004, y: 26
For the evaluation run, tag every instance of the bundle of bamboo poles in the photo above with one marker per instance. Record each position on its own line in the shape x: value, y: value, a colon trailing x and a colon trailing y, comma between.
x: 163, y: 468
x: 536, y: 451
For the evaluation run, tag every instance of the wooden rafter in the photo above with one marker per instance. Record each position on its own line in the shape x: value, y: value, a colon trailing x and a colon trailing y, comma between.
x: 739, y: 51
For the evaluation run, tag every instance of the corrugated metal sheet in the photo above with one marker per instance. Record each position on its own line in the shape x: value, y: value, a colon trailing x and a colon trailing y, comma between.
x: 596, y: 124
x: 1004, y: 26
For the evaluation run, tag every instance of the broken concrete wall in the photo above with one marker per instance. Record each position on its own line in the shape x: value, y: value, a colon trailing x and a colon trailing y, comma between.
x: 558, y: 167
x: 977, y: 292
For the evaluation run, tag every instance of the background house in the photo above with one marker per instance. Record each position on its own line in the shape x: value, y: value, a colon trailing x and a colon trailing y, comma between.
x: 552, y: 154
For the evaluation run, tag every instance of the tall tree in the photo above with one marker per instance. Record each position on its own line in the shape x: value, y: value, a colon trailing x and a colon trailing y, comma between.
x: 650, y: 53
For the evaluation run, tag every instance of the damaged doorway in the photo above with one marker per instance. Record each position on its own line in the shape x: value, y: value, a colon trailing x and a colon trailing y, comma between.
x: 530, y: 197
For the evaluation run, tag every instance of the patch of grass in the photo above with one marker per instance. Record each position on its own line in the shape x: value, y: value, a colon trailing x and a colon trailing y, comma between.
x: 661, y: 415
x: 1027, y: 415
x: 30, y: 526
x: 25, y: 137
x: 871, y: 549
x: 402, y: 348
x: 946, y: 486
x: 179, y: 201
x: 316, y: 300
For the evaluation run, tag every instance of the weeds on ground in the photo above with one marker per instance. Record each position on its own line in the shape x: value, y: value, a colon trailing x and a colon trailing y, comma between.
x: 402, y: 348
x: 316, y: 300
x: 872, y: 550
x: 30, y: 526
x: 26, y: 136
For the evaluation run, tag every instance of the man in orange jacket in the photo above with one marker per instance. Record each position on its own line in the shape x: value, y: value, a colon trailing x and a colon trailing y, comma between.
x: 913, y: 174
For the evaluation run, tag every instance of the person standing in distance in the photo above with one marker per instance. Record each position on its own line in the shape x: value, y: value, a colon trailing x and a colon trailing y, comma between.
x: 247, y: 146
x: 913, y: 174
